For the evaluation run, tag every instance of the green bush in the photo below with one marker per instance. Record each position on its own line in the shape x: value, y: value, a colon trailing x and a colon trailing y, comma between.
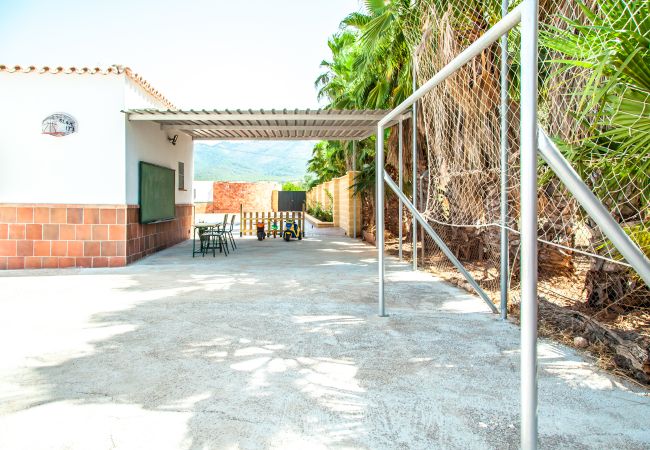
x: 316, y: 210
x: 291, y: 186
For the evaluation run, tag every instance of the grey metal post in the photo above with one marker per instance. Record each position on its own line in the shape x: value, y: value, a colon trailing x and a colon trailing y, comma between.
x: 414, y: 147
x: 354, y: 197
x: 529, y: 76
x: 401, y: 186
x: 379, y: 179
x: 505, y: 248
x: 632, y: 254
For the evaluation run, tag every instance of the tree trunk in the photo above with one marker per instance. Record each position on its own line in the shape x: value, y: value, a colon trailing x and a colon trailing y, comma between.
x: 557, y: 211
x: 630, y: 353
x: 614, y: 287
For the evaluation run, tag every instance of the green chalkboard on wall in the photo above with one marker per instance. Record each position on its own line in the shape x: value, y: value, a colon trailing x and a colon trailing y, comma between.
x: 157, y: 201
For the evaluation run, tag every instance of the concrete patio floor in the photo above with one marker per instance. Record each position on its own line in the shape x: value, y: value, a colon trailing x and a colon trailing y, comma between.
x: 279, y: 346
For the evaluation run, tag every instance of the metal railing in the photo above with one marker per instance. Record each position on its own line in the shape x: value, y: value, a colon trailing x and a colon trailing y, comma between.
x: 526, y: 14
x: 500, y: 29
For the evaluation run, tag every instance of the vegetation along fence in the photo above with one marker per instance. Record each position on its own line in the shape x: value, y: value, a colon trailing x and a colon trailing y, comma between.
x: 335, y: 201
x: 461, y: 163
x: 594, y: 98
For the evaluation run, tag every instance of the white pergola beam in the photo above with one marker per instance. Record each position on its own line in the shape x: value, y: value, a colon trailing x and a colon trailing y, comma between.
x: 268, y: 128
x: 254, y: 116
x: 267, y: 125
x: 275, y: 138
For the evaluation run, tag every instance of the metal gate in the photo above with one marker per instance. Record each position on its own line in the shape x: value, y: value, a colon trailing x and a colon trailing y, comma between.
x: 291, y: 200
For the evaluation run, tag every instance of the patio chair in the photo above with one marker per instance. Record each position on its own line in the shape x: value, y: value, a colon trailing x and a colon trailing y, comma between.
x: 229, y: 231
x: 215, y: 238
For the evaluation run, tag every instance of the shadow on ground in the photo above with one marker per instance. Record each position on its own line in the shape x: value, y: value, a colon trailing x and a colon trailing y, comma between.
x: 278, y: 346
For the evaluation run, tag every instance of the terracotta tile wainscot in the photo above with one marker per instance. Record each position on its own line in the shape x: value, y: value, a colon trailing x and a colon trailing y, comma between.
x: 58, y: 236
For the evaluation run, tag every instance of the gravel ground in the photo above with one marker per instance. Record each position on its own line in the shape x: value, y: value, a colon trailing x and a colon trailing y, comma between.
x: 278, y: 345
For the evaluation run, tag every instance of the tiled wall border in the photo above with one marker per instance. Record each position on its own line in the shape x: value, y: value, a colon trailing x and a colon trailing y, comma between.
x: 145, y: 239
x: 34, y: 236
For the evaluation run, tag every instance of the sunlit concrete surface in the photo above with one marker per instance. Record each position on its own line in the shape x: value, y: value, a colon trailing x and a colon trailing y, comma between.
x: 279, y: 346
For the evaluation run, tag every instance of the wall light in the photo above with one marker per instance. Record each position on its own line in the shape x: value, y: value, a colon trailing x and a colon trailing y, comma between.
x: 173, y: 140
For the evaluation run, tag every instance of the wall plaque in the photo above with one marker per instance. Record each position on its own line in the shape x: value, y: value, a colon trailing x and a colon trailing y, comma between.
x: 59, y: 124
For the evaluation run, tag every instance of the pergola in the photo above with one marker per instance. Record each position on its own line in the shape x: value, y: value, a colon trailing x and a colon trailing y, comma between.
x: 273, y: 124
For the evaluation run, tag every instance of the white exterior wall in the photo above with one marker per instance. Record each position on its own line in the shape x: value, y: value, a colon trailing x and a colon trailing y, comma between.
x: 145, y: 141
x: 96, y: 165
x: 203, y: 191
x: 86, y: 167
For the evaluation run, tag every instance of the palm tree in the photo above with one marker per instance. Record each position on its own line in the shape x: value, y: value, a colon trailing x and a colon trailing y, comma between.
x: 335, y: 83
x: 612, y: 51
x: 384, y: 56
x: 370, y: 69
x: 461, y: 122
x: 327, y: 162
x: 371, y: 59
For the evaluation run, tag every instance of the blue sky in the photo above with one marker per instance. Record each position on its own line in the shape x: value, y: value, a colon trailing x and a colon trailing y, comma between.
x: 200, y: 54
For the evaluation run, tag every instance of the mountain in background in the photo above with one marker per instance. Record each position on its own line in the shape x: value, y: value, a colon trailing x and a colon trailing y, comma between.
x: 252, y: 160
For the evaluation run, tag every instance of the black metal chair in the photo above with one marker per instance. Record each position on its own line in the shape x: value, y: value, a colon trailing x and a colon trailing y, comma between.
x: 197, y: 230
x: 215, y: 238
x: 229, y: 231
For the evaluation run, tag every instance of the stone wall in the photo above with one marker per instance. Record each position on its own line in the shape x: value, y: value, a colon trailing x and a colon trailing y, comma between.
x: 274, y: 200
x: 35, y: 236
x: 228, y: 196
x: 321, y: 194
x: 342, y: 200
x: 344, y: 205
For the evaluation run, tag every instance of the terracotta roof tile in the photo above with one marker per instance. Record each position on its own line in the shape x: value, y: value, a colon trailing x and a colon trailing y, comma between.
x: 111, y: 70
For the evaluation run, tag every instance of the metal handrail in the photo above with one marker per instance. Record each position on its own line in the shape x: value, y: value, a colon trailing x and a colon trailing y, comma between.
x: 488, y: 38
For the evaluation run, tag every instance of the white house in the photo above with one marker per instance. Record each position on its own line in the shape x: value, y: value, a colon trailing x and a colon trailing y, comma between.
x: 73, y: 200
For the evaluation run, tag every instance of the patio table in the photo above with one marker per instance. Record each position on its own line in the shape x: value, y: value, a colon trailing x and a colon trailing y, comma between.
x: 201, y: 228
